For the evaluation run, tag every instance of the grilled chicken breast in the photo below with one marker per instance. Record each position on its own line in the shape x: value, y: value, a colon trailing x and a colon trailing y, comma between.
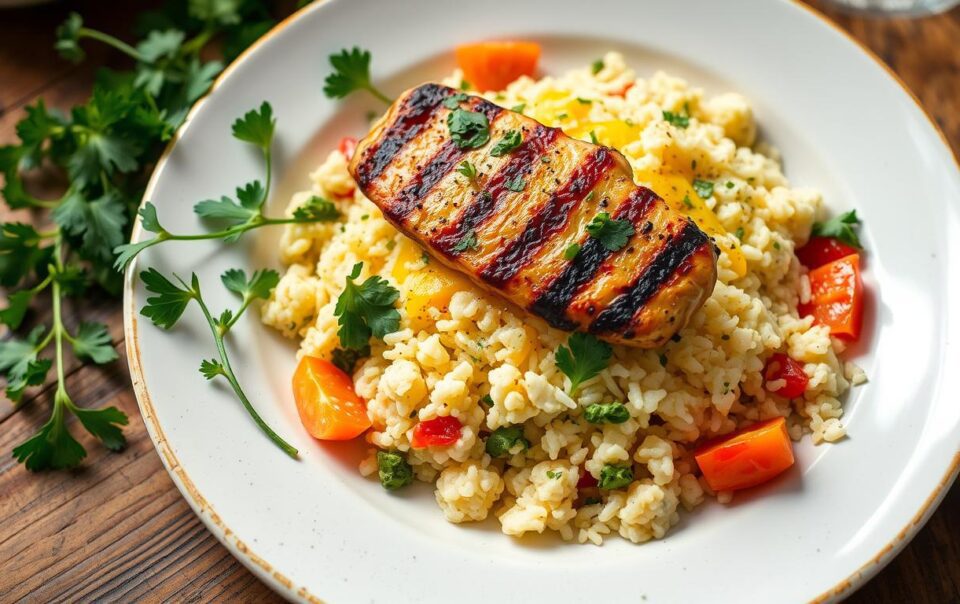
x: 508, y: 227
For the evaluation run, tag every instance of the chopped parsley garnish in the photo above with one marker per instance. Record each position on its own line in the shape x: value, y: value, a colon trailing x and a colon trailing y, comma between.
x: 776, y: 245
x: 351, y: 71
x: 730, y: 184
x: 584, y: 101
x: 562, y: 116
x: 704, y: 188
x: 585, y: 358
x: 487, y: 400
x: 592, y: 501
x: 393, y: 470
x: 612, y: 234
x: 571, y: 252
x: 465, y: 85
x: 687, y: 201
x: 841, y: 228
x: 739, y: 233
x: 503, y: 439
x: 554, y: 474
x: 453, y: 101
x: 590, y: 196
x: 596, y: 66
x: 467, y: 169
x: 519, y: 107
x: 593, y: 137
x: 510, y: 141
x: 679, y: 120
x: 468, y: 129
x: 425, y: 258
x: 366, y: 310
x: 516, y: 184
x: 606, y: 413
x: 469, y: 242
x: 615, y: 477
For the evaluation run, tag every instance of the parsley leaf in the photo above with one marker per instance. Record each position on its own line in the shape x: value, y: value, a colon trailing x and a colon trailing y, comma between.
x: 585, y: 358
x: 468, y: 129
x: 467, y: 169
x: 256, y: 127
x: 615, y: 476
x: 20, y: 252
x: 519, y: 107
x: 840, y: 227
x: 596, y: 66
x: 103, y: 423
x: 366, y: 310
x: 317, y: 209
x: 680, y: 120
x: 259, y: 285
x: 393, y: 470
x: 92, y: 342
x: 612, y: 234
x: 351, y: 72
x: 167, y: 306
x: 704, y: 188
x: 572, y: 251
x: 516, y: 184
x: 468, y: 242
x: 453, y: 101
x: 18, y: 359
x: 17, y: 305
x: 52, y: 447
x: 211, y: 368
x: 250, y: 197
x: 510, y: 141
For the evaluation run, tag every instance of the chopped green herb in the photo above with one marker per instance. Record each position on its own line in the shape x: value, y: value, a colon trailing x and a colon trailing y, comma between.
x: 453, y: 101
x: 596, y: 66
x: 739, y: 233
x: 592, y: 501
x: 468, y: 129
x: 554, y: 474
x: 612, y: 234
x: 677, y: 119
x: 590, y: 196
x: 776, y: 245
x: 516, y: 184
x: 465, y: 85
x: 510, y: 141
x: 393, y: 470
x: 519, y: 107
x: 687, y: 201
x: 585, y: 358
x: 366, y: 310
x: 606, y: 413
x: 584, y: 101
x: 730, y: 184
x: 704, y: 188
x: 562, y: 116
x: 468, y: 170
x: 487, y: 400
x: 615, y: 477
x: 841, y: 228
x: 593, y: 137
x: 571, y: 252
x: 503, y: 439
x: 468, y: 242
x: 425, y: 257
x: 365, y: 217
x: 391, y: 244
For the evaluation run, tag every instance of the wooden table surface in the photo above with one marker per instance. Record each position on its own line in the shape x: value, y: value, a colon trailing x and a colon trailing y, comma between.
x: 117, y: 529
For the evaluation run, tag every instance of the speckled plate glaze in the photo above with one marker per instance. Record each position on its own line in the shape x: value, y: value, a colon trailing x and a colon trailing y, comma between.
x: 315, y: 530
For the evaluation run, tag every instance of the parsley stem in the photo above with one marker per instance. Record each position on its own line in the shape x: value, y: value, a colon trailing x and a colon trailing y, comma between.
x: 111, y: 41
x: 232, y: 378
x: 196, y: 43
x: 375, y: 92
x: 58, y: 330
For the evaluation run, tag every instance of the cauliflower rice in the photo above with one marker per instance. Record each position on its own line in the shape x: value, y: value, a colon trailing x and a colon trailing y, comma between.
x: 706, y: 382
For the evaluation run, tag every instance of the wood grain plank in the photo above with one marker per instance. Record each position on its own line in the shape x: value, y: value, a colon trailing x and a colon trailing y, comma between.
x: 118, y: 530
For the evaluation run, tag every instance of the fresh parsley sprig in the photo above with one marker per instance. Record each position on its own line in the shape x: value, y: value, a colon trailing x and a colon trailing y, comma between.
x: 585, y: 358
x: 239, y: 215
x: 351, y: 72
x: 169, y: 302
x: 366, y: 310
x: 841, y: 227
x: 613, y: 234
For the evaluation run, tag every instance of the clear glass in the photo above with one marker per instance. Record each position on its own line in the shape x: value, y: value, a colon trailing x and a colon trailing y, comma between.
x: 912, y: 8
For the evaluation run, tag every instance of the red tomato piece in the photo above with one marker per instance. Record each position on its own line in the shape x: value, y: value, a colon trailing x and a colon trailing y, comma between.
x: 746, y: 458
x: 822, y: 250
x: 493, y: 65
x: 836, y: 297
x: 328, y: 406
x: 781, y: 367
x: 436, y: 432
x: 347, y: 146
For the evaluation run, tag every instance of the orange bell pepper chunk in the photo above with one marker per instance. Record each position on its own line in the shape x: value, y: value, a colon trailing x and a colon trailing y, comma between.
x: 746, y: 458
x: 836, y: 297
x: 328, y: 406
x: 493, y: 65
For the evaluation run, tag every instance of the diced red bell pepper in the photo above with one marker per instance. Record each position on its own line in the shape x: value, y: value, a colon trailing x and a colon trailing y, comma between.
x: 822, y: 250
x: 436, y: 432
x: 781, y: 367
x: 836, y: 297
x: 586, y: 480
x: 347, y: 146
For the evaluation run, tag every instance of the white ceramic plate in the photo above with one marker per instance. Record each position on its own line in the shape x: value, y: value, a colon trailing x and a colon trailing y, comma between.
x: 316, y: 529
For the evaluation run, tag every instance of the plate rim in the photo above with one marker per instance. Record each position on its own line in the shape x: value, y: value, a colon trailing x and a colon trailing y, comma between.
x: 259, y: 565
